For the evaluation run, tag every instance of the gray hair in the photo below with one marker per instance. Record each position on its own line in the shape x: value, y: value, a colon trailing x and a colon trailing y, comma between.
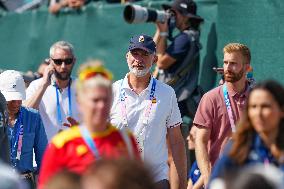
x: 64, y: 45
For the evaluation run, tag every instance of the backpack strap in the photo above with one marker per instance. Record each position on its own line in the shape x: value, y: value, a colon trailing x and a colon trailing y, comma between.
x: 188, y: 62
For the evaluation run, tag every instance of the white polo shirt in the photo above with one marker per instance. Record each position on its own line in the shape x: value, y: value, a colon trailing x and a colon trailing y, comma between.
x: 48, y: 106
x: 164, y: 114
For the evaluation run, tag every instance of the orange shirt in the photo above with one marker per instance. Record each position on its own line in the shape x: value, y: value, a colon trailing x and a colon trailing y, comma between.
x: 68, y: 150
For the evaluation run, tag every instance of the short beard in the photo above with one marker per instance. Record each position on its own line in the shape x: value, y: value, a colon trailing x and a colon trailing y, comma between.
x: 139, y: 73
x: 235, y: 76
x: 61, y: 77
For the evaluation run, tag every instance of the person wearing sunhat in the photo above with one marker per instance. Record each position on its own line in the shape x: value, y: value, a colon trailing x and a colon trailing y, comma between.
x: 149, y: 109
x: 94, y: 138
x: 25, y: 128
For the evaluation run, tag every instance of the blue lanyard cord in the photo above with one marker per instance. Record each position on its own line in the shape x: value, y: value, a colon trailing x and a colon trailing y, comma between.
x: 229, y: 108
x: 89, y: 141
x: 18, y: 138
x: 59, y: 116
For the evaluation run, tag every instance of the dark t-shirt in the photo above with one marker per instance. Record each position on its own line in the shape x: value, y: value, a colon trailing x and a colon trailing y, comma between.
x: 178, y: 49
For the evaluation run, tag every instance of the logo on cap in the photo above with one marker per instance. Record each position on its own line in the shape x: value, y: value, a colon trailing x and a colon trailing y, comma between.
x: 183, y: 5
x: 14, y: 86
x: 141, y: 39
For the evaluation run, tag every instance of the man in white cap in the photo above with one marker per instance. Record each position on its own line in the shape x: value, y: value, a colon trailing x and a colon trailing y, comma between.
x: 25, y: 129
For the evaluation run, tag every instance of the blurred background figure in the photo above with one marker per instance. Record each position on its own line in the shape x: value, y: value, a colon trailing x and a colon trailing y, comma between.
x: 64, y: 180
x: 260, y: 134
x: 56, y: 5
x: 117, y: 174
x: 257, y: 177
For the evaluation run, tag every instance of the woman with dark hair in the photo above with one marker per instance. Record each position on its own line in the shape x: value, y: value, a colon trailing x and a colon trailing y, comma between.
x: 260, y: 134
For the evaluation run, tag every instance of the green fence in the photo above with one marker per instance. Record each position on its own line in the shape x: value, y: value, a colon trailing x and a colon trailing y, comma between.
x: 99, y: 31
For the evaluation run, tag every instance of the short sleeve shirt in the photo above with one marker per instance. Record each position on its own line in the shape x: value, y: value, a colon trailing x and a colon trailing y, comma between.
x: 212, y: 114
x: 48, y: 106
x: 164, y: 114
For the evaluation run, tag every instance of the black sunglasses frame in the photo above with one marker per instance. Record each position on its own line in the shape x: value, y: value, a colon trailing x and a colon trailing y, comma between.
x: 59, y: 62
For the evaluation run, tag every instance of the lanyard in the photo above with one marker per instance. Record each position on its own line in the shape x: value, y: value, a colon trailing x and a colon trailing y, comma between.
x: 229, y: 108
x: 152, y: 99
x: 59, y: 116
x: 89, y: 141
x: 16, y: 145
x: 140, y: 137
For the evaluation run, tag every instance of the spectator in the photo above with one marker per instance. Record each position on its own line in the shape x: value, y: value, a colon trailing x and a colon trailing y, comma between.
x: 117, y: 174
x: 260, y: 134
x: 25, y: 129
x: 55, y: 99
x: 149, y: 108
x: 220, y: 109
x: 56, y: 5
x: 75, y: 149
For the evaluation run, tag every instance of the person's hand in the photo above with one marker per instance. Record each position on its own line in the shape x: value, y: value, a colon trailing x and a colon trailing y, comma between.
x: 162, y: 27
x: 75, y: 4
x: 71, y: 121
x: 49, y: 70
x: 199, y: 184
x: 55, y: 8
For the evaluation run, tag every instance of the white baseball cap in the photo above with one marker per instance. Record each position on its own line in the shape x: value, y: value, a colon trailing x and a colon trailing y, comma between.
x: 12, y: 85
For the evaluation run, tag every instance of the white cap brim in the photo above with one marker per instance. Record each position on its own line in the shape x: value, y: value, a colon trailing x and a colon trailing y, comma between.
x: 9, y: 96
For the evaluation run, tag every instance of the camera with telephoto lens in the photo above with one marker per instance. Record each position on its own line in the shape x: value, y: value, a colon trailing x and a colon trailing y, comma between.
x: 139, y: 14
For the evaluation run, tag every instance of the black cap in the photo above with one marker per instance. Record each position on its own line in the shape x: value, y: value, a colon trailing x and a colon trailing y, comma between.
x: 185, y: 7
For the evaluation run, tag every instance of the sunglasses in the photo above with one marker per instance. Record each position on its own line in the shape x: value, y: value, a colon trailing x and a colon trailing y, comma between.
x: 67, y: 61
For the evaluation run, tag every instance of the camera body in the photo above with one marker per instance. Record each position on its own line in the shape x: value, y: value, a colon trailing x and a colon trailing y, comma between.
x: 139, y: 14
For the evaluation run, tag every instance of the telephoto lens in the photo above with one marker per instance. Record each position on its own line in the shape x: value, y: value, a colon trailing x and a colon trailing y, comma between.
x: 139, y: 14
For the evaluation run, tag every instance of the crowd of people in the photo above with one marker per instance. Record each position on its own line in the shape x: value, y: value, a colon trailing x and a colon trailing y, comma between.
x: 92, y: 132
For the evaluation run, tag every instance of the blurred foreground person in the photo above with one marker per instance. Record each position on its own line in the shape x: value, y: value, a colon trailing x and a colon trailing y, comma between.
x: 75, y: 149
x: 117, y: 174
x: 256, y: 176
x: 64, y: 180
x: 25, y: 129
x: 9, y: 179
x: 260, y: 134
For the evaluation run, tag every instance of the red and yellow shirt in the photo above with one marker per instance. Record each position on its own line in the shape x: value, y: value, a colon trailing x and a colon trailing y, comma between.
x: 68, y: 150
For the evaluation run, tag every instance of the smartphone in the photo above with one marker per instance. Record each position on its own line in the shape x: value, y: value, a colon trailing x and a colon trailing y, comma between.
x: 52, y: 79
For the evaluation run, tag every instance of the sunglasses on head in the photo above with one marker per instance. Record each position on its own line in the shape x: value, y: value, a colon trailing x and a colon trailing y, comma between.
x: 67, y: 61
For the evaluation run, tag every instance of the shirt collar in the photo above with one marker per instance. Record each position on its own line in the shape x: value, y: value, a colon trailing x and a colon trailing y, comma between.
x: 243, y: 94
x: 125, y: 84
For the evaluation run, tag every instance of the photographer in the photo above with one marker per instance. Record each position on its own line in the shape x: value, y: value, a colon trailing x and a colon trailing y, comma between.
x: 183, y: 51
